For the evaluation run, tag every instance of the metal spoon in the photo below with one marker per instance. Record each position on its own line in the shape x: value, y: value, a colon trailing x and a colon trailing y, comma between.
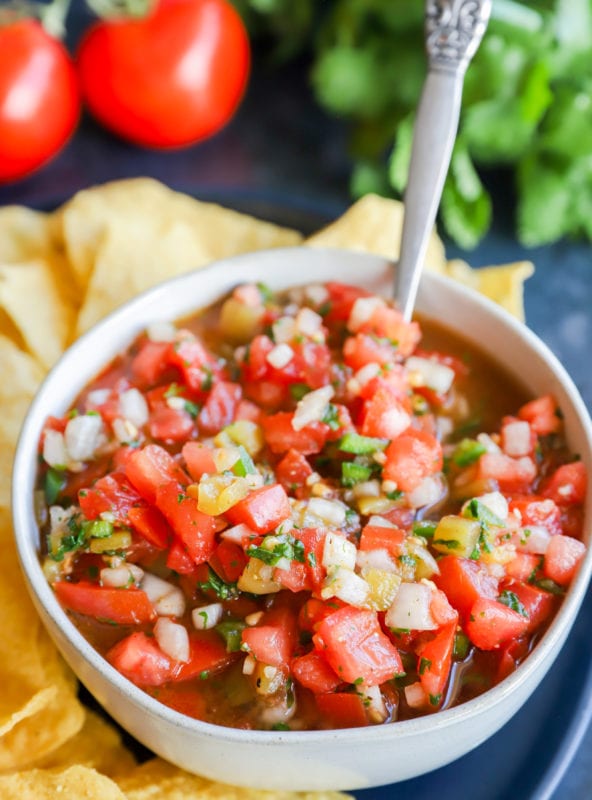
x: 453, y: 30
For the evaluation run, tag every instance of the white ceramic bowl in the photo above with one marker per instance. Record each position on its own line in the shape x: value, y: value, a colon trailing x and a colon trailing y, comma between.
x: 342, y: 759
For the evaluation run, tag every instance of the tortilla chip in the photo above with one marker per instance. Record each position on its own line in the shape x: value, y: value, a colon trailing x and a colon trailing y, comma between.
x: 374, y: 225
x: 31, y: 298
x: 150, y: 206
x: 74, y: 783
x: 157, y: 780
x: 504, y: 284
x: 97, y: 745
x: 35, y: 724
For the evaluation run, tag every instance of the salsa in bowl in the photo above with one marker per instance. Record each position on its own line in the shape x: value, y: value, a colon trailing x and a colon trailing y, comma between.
x: 285, y: 515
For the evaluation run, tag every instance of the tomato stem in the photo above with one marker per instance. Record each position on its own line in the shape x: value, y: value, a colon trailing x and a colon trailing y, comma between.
x: 113, y: 9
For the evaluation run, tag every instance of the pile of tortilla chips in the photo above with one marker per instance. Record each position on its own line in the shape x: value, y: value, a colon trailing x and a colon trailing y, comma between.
x: 59, y: 274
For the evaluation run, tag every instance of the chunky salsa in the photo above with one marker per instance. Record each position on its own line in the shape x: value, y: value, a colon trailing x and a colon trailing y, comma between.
x: 294, y: 512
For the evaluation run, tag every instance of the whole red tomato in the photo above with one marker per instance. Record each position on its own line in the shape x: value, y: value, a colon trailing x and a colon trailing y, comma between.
x: 169, y: 79
x: 39, y: 97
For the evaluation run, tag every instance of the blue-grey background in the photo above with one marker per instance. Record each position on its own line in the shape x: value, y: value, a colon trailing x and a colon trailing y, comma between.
x: 281, y: 158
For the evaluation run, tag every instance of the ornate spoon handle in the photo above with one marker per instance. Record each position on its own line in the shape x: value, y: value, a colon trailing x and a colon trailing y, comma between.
x: 454, y: 29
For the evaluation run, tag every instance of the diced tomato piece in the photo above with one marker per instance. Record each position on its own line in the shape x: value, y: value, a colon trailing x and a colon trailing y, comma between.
x: 195, y: 529
x: 562, y: 558
x: 281, y: 436
x: 389, y: 323
x: 510, y: 656
x: 254, y: 363
x: 179, y: 560
x: 219, y: 409
x: 384, y: 416
x: 536, y: 510
x: 378, y: 537
x: 249, y: 411
x: 199, y: 459
x: 464, y: 581
x: 273, y: 640
x: 411, y: 457
x: 121, y: 456
x: 228, y: 561
x: 123, y: 606
x: 512, y: 474
x: 207, y: 656
x: 151, y: 363
x: 262, y: 510
x: 112, y: 493
x: 523, y: 566
x: 342, y: 297
x: 293, y: 470
x: 434, y: 662
x: 355, y: 646
x: 184, y: 698
x: 491, y: 624
x: 309, y: 574
x: 441, y: 610
x: 567, y: 485
x: 314, y: 610
x: 266, y: 394
x: 363, y: 349
x: 170, y: 424
x: 542, y: 415
x: 139, y: 658
x: 150, y: 524
x: 151, y: 467
x: 313, y: 672
x: 342, y: 709
x: 198, y: 367
x: 538, y: 604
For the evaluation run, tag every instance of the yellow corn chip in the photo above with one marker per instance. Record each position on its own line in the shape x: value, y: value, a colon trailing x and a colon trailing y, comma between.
x: 159, y: 780
x: 374, y: 225
x: 74, y: 783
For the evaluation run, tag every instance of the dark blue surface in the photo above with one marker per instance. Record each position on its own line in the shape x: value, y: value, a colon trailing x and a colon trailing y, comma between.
x: 282, y: 159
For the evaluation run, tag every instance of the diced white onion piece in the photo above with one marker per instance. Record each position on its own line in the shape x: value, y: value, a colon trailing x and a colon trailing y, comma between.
x: 410, y: 610
x: 161, y: 332
x: 496, y: 503
x: 488, y: 443
x: 238, y: 533
x: 168, y: 600
x: 496, y: 569
x: 380, y: 522
x: 367, y: 372
x: 58, y: 516
x: 316, y: 293
x: 97, y: 397
x: 124, y: 430
x: 367, y: 489
x: 312, y: 407
x: 374, y: 702
x: 329, y: 511
x: 375, y: 559
x: 517, y: 438
x: 54, y: 449
x: 362, y: 310
x: 533, y: 539
x: 172, y: 639
x: 284, y: 330
x: 416, y: 696
x: 253, y: 619
x: 308, y: 321
x: 280, y: 355
x: 338, y: 552
x: 125, y: 575
x: 83, y: 436
x: 134, y: 407
x: 444, y: 427
x: 176, y: 403
x: 429, y: 491
x: 249, y: 665
x: 434, y: 375
x: 429, y: 562
x: 347, y: 586
x: 206, y: 617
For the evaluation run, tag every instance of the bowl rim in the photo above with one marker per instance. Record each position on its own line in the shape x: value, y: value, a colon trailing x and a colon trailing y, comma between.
x: 45, y: 599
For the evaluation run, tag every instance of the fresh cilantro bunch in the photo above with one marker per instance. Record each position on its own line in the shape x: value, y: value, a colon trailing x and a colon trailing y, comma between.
x: 527, y: 104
